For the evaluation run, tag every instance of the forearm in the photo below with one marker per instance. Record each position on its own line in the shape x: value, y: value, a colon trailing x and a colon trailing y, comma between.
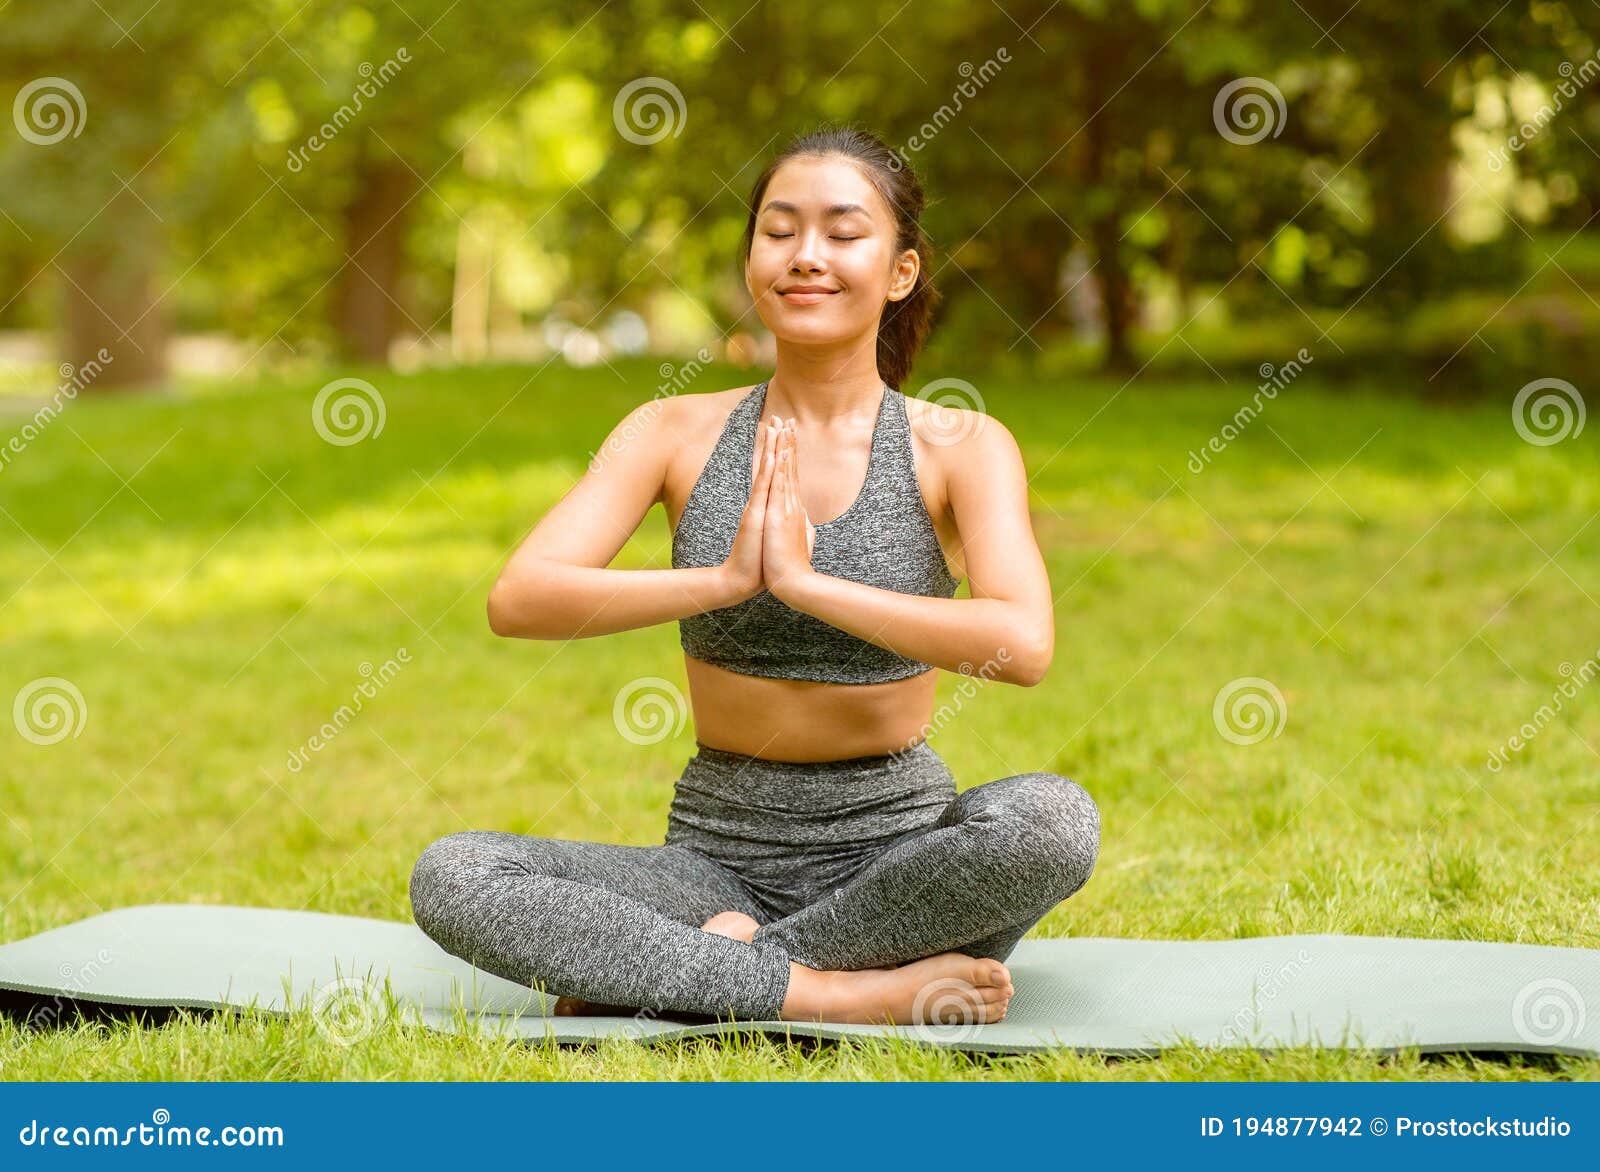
x: 555, y: 600
x: 946, y: 632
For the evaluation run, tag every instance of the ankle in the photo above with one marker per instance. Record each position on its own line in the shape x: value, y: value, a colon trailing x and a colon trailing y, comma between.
x: 810, y: 994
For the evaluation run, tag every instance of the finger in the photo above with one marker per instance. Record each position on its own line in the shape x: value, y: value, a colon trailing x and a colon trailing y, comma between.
x: 763, y: 479
x: 790, y: 445
x: 769, y: 440
x: 792, y: 482
x: 775, y: 487
x: 794, y: 453
x: 788, y: 463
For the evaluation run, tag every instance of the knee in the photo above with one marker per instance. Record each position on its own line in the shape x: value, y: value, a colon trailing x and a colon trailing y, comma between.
x: 438, y: 872
x: 1057, y: 825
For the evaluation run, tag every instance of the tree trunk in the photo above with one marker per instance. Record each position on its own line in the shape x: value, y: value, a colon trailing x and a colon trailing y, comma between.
x: 367, y: 310
x: 1410, y: 166
x: 113, y: 314
x: 469, y: 310
x: 1033, y: 277
x: 1116, y: 296
x: 1116, y: 292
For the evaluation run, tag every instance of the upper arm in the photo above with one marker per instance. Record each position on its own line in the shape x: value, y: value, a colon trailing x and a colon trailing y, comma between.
x: 987, y: 487
x: 626, y: 476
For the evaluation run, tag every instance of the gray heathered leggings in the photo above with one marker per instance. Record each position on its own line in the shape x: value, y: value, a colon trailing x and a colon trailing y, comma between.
x: 867, y: 862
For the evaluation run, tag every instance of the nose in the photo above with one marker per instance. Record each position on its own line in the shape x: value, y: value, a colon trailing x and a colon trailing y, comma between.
x: 806, y: 257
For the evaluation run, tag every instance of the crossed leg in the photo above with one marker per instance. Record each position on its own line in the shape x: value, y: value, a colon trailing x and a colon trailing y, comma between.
x: 997, y: 859
x: 597, y: 921
x: 620, y: 925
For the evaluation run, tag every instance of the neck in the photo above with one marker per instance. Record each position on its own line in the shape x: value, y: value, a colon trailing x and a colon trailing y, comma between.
x: 818, y: 385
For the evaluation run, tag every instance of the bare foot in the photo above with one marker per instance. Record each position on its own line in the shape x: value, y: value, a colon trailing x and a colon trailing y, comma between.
x: 736, y: 925
x: 949, y: 988
x: 575, y: 1007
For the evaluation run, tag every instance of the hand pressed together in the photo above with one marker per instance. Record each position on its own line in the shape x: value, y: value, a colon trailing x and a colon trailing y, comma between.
x: 772, y: 549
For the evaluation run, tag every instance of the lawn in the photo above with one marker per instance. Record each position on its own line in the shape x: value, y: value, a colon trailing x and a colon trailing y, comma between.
x: 216, y: 580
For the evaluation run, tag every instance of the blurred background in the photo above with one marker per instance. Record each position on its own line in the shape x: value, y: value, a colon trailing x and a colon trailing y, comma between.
x: 221, y: 189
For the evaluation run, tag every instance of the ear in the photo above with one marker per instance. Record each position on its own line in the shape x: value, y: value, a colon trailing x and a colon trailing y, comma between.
x: 904, y: 278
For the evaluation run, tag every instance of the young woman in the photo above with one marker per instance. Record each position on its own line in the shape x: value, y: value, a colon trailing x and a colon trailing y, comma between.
x: 818, y: 862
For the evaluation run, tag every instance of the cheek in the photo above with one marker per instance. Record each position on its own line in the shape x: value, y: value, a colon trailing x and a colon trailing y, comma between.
x: 866, y: 274
x: 765, y: 266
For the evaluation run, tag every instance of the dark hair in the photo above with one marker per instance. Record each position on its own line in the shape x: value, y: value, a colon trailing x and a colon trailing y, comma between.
x: 905, y: 323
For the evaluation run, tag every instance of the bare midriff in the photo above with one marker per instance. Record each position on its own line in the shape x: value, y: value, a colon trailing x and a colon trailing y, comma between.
x: 802, y: 720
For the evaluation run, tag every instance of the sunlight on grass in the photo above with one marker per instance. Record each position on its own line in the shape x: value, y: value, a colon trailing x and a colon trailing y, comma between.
x: 216, y: 581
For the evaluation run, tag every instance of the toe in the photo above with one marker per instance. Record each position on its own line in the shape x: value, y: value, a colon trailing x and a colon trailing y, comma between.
x: 992, y: 972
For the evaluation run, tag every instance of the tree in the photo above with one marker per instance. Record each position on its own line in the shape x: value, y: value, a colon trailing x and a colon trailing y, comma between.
x: 103, y: 132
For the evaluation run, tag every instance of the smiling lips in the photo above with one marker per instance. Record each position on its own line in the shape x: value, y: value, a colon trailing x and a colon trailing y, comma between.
x: 806, y: 294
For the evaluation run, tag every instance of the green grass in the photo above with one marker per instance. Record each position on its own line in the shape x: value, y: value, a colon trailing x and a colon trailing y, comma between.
x: 211, y: 575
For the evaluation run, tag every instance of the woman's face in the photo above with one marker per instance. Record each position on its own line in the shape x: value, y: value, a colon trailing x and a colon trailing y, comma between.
x: 823, y: 261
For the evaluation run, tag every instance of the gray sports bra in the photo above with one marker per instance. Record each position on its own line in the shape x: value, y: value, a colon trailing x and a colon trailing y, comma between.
x: 885, y: 539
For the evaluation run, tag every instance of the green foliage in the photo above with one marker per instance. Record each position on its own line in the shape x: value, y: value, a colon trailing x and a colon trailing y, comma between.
x: 1071, y: 150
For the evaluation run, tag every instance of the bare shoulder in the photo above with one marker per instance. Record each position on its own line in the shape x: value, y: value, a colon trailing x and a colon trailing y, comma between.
x: 701, y: 408
x: 691, y: 424
x: 954, y: 438
x: 677, y: 421
x: 695, y: 420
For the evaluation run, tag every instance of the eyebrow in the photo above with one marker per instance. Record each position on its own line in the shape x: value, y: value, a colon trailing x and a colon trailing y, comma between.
x: 837, y: 209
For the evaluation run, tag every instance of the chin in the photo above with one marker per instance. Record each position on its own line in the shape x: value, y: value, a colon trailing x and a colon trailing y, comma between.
x: 812, y: 337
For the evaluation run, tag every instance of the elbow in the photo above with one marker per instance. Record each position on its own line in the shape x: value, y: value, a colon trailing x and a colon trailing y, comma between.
x: 1029, y: 661
x: 502, y: 618
x: 1030, y: 673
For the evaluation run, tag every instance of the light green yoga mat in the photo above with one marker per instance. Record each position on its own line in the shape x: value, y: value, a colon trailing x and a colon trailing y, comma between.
x: 1130, y: 997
